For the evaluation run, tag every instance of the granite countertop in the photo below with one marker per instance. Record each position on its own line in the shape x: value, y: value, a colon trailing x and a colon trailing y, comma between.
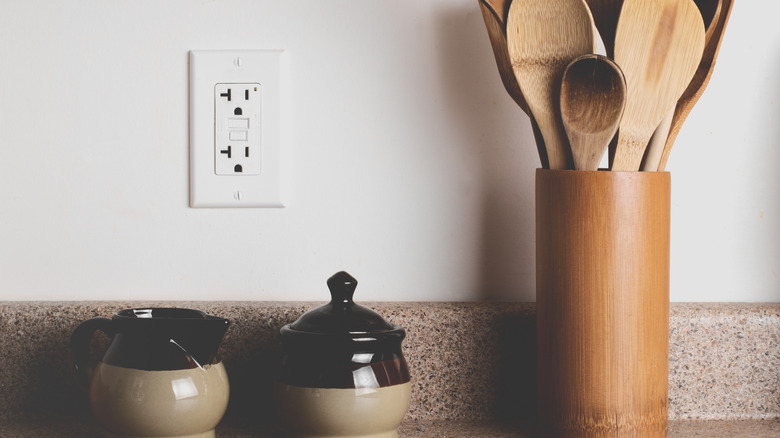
x: 473, y: 367
x: 35, y: 427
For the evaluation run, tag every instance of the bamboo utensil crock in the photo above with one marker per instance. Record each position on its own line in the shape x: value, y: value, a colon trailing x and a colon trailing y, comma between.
x: 602, y: 292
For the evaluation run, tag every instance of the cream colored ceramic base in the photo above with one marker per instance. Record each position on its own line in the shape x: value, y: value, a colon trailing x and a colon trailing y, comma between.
x: 343, y: 413
x: 159, y: 404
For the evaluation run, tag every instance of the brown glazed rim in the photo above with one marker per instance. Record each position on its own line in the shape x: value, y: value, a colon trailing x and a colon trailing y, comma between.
x: 356, y: 340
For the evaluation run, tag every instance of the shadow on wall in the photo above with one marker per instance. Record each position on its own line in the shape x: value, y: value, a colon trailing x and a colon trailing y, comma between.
x: 503, y: 147
x: 774, y: 194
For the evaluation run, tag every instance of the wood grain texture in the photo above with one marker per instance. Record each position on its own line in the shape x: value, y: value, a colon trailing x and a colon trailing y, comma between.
x: 543, y: 37
x: 700, y: 79
x: 593, y: 96
x: 709, y: 10
x: 658, y: 45
x: 497, y: 36
x: 602, y: 294
x: 605, y: 16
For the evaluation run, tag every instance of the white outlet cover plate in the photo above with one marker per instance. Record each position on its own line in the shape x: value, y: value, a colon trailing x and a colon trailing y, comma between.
x: 207, y: 69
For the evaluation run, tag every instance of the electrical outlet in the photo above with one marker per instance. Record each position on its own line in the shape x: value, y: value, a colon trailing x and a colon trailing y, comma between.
x: 236, y: 129
x: 237, y: 132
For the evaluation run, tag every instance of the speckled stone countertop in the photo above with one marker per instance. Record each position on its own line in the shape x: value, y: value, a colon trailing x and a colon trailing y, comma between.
x: 472, y: 364
x: 68, y: 428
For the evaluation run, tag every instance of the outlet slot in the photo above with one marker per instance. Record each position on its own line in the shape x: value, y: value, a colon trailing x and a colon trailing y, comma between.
x: 238, y: 112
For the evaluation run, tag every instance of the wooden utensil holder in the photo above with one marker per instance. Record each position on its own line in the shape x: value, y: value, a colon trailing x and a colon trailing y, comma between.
x: 602, y: 297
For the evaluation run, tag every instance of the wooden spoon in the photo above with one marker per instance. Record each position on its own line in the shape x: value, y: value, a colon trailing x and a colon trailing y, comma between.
x: 593, y: 96
x: 709, y: 10
x: 699, y: 81
x: 658, y: 45
x: 497, y: 35
x: 543, y: 37
x: 605, y: 16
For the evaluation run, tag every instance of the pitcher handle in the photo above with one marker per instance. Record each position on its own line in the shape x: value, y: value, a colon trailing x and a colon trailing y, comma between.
x: 79, y: 346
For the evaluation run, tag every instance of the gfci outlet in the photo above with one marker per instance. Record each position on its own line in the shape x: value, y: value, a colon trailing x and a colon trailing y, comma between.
x: 236, y: 120
x: 237, y: 130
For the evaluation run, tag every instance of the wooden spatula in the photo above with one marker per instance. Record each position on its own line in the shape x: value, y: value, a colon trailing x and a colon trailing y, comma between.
x: 658, y: 44
x: 699, y: 81
x: 709, y: 10
x: 543, y: 36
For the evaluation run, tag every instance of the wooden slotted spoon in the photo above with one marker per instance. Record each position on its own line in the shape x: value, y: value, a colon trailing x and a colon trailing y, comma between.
x: 543, y: 36
x: 658, y: 45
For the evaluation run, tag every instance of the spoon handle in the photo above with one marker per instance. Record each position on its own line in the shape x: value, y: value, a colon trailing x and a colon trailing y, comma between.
x: 559, y: 154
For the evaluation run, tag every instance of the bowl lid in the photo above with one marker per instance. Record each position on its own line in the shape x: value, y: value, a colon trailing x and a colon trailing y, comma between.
x: 342, y: 317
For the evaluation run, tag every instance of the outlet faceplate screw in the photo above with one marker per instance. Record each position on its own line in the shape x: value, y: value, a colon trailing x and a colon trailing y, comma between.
x: 238, y: 195
x: 238, y: 61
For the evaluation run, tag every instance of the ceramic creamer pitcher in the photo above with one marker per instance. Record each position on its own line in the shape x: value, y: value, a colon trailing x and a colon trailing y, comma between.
x: 161, y: 375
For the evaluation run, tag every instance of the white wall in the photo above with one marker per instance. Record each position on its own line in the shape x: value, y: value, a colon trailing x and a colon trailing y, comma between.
x: 413, y: 169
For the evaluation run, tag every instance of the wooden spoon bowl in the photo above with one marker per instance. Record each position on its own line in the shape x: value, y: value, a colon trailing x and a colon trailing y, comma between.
x: 593, y: 96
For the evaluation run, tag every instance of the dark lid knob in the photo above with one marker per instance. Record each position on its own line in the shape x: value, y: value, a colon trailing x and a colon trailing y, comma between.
x: 342, y: 287
x: 342, y: 318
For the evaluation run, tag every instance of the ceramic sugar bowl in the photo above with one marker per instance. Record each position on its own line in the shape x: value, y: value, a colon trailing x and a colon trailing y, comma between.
x: 343, y: 373
x: 161, y: 375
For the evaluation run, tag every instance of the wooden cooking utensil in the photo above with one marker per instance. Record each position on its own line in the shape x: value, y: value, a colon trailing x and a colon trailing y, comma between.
x: 658, y: 45
x: 543, y: 37
x: 699, y: 81
x: 709, y: 10
x: 497, y: 36
x: 605, y: 16
x: 593, y: 96
x: 499, y: 8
